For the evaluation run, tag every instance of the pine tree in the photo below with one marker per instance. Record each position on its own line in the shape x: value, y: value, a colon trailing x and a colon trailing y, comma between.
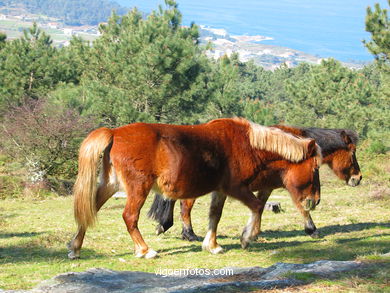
x: 28, y: 69
x: 333, y: 96
x: 3, y: 37
x: 146, y: 69
x: 378, y: 24
x: 223, y: 83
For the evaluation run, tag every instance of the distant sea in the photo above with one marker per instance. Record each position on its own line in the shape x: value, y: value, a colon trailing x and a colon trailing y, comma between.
x: 324, y: 28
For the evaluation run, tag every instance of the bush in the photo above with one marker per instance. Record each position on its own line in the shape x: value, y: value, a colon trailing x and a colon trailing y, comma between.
x: 45, y: 137
x: 10, y: 186
x: 377, y: 147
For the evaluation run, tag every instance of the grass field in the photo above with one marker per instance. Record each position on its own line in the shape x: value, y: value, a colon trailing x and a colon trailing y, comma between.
x: 354, y: 223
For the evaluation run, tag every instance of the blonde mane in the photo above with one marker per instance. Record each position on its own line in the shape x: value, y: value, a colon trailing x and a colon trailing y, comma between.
x: 290, y: 147
x: 318, y: 157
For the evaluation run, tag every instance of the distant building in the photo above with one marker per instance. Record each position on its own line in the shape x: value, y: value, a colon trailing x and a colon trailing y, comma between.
x: 61, y: 44
x: 68, y: 31
x: 3, y: 17
x: 53, y: 25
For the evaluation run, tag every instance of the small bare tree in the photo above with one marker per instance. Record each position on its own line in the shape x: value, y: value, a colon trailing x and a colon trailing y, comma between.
x: 45, y: 137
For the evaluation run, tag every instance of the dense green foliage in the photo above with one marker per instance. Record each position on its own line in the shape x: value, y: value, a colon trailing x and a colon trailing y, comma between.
x: 30, y: 67
x: 153, y: 69
x: 378, y: 24
x: 71, y: 12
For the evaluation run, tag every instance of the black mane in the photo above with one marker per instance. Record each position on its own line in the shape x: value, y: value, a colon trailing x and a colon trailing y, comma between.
x: 329, y: 139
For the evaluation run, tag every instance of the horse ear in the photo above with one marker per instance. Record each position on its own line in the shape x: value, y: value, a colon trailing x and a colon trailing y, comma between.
x: 345, y: 137
x: 311, y: 148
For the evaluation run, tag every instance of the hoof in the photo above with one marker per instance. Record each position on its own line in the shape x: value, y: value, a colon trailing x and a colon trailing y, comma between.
x: 215, y: 250
x: 72, y: 255
x: 246, y: 239
x: 149, y: 254
x: 190, y: 237
x: 159, y: 229
x: 244, y: 244
x: 315, y: 235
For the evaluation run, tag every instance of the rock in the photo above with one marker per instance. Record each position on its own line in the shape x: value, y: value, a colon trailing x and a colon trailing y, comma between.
x: 119, y: 194
x: 322, y: 268
x: 98, y: 280
x: 273, y: 206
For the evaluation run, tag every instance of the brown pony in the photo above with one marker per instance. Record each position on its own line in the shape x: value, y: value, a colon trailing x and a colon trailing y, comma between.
x: 338, y: 148
x: 181, y: 162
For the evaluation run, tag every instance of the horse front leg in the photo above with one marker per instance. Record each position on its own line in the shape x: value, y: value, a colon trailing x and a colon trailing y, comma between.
x: 310, y: 227
x: 187, y: 231
x: 262, y: 196
x: 210, y: 241
x: 252, y: 228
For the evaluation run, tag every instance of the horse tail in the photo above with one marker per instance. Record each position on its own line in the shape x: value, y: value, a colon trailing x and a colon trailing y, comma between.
x: 85, y: 187
x: 162, y: 211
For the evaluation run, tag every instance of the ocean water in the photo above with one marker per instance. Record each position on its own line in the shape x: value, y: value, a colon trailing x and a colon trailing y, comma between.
x: 325, y: 28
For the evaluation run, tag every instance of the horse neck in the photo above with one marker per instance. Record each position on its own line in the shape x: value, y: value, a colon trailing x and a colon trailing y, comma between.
x: 270, y: 175
x: 290, y: 129
x: 329, y: 156
x: 274, y: 165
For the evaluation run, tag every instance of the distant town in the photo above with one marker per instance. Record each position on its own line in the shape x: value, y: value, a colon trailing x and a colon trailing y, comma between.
x: 14, y: 21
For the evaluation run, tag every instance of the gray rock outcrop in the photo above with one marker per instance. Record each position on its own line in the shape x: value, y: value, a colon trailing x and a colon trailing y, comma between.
x: 100, y: 280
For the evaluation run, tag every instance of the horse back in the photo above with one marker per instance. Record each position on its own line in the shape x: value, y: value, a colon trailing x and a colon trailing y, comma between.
x: 183, y: 160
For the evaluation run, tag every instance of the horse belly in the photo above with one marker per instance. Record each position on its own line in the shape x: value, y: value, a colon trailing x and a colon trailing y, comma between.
x: 187, y: 168
x: 187, y: 185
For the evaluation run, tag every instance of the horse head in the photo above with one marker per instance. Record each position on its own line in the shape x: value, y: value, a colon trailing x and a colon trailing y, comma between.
x: 302, y: 179
x: 345, y: 164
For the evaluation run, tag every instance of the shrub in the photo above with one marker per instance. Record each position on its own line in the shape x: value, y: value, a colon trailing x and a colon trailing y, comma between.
x: 10, y: 186
x: 45, y: 137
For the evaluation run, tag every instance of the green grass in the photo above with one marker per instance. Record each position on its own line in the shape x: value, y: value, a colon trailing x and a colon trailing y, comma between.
x: 354, y: 223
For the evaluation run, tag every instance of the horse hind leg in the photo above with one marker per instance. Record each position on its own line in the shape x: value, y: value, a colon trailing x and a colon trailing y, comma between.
x: 107, y: 187
x: 210, y: 241
x: 187, y: 230
x: 74, y: 246
x: 136, y: 196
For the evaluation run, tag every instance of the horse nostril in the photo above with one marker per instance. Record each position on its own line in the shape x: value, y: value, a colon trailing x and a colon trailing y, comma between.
x: 361, y: 177
x: 318, y: 202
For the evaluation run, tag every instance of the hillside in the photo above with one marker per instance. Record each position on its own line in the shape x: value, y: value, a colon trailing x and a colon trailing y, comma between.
x: 62, y: 20
x: 70, y: 12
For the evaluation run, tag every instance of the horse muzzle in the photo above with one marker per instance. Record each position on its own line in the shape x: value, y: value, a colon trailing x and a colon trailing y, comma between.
x: 355, y: 180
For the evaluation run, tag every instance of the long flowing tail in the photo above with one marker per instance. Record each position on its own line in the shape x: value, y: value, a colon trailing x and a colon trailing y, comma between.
x: 162, y: 211
x: 85, y: 187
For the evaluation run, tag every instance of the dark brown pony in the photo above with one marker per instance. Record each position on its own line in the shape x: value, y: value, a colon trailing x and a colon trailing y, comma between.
x: 185, y: 161
x: 338, y: 148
